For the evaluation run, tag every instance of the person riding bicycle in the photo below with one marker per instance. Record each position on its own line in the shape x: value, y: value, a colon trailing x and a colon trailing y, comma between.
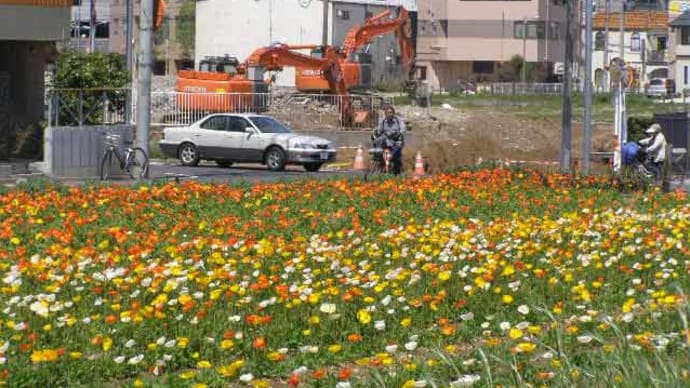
x: 655, y: 148
x: 390, y: 133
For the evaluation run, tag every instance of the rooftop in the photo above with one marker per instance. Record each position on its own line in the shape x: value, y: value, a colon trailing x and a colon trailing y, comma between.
x: 682, y: 20
x: 653, y: 20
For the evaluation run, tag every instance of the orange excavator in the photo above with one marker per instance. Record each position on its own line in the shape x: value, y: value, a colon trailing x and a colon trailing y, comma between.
x: 357, y: 66
x: 224, y: 84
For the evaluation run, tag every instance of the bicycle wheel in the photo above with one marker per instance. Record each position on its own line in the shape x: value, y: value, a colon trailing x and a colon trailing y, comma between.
x: 105, y: 165
x: 137, y: 163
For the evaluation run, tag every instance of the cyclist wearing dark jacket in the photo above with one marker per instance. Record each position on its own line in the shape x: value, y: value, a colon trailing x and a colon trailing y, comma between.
x: 390, y: 133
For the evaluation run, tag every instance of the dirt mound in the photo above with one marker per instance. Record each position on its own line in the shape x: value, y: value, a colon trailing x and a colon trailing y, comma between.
x: 455, y: 137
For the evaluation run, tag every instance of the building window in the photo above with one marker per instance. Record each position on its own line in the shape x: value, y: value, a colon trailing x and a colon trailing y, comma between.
x: 685, y: 75
x: 661, y: 43
x: 421, y: 73
x: 535, y: 30
x: 482, y: 67
x: 685, y: 36
x: 555, y: 31
x: 343, y: 14
x: 599, y: 41
x: 635, y: 42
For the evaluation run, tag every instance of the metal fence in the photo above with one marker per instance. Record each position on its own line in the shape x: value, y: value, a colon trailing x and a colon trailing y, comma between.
x: 516, y: 88
x: 79, y: 107
x: 303, y: 111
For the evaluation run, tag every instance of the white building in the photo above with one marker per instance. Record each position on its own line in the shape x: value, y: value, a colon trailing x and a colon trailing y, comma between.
x: 238, y: 27
x: 645, y: 43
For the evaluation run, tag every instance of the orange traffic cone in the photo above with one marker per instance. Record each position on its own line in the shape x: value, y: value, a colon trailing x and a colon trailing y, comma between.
x: 418, y: 165
x: 359, y: 160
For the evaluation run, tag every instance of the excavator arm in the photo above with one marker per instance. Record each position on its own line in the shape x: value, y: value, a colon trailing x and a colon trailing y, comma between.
x: 274, y: 58
x: 379, y: 25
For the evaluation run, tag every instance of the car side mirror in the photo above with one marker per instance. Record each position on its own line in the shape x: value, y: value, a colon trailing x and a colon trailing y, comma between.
x: 249, y: 130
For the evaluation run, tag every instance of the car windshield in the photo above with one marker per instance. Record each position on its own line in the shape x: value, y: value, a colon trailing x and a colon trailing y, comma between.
x: 269, y: 125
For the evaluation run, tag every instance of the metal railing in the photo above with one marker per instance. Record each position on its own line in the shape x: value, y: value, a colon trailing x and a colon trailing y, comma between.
x: 303, y: 111
x: 518, y: 88
x: 79, y: 107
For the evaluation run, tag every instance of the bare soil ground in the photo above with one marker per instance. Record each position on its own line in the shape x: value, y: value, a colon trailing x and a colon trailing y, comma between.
x: 454, y: 137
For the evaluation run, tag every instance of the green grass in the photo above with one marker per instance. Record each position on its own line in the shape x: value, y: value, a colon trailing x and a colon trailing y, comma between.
x: 549, y: 106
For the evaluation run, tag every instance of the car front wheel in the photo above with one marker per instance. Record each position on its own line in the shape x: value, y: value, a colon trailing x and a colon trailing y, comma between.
x: 312, y: 167
x: 189, y: 154
x: 275, y: 159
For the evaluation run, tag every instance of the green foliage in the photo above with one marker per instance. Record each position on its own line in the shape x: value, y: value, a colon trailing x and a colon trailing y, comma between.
x: 86, y: 84
x: 389, y: 86
x: 77, y: 70
x: 637, y: 126
x: 186, y: 27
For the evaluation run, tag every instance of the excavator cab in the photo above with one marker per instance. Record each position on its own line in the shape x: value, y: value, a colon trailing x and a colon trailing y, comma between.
x: 317, y: 52
x: 226, y: 64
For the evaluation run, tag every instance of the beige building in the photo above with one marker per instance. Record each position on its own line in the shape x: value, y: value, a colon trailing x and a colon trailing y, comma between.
x: 463, y: 40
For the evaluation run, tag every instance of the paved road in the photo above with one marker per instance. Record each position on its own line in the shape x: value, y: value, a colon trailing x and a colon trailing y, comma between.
x: 210, y: 172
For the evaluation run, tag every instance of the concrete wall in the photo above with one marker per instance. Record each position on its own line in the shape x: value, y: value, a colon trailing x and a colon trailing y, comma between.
x: 34, y: 23
x: 77, y: 151
x: 237, y: 27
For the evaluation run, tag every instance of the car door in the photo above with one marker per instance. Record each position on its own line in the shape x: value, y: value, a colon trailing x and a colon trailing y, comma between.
x: 234, y: 139
x: 252, y: 146
x: 208, y: 137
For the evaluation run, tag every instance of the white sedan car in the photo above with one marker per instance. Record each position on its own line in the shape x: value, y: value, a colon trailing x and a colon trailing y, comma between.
x: 230, y: 137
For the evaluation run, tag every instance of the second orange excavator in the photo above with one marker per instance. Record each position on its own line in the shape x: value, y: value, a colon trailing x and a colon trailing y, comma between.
x: 357, y: 67
x: 226, y: 85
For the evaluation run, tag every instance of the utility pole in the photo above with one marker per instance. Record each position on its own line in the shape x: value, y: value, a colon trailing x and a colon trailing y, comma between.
x: 145, y: 69
x: 587, y: 126
x: 92, y: 26
x: 605, y: 81
x: 621, y: 30
x: 129, y: 15
x: 523, y: 76
x: 567, y: 114
x: 324, y: 36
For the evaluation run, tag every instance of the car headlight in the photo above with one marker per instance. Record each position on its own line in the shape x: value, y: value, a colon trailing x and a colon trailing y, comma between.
x: 303, y: 146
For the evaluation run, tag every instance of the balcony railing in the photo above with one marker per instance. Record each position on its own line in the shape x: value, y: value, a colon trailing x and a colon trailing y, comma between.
x: 656, y: 57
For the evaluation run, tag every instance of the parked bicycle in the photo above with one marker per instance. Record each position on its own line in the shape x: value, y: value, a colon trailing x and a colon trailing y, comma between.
x: 134, y: 161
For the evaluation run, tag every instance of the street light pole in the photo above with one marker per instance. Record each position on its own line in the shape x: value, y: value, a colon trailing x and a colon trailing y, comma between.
x: 524, y: 50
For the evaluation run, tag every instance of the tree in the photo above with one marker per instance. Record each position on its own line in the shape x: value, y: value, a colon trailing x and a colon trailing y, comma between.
x: 78, y: 70
x: 88, y: 84
x: 186, y: 28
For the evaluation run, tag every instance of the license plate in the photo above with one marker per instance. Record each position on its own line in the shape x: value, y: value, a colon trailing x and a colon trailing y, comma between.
x: 324, y: 155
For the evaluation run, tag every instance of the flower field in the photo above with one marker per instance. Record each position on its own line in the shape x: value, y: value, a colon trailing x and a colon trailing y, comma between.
x: 486, y: 277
